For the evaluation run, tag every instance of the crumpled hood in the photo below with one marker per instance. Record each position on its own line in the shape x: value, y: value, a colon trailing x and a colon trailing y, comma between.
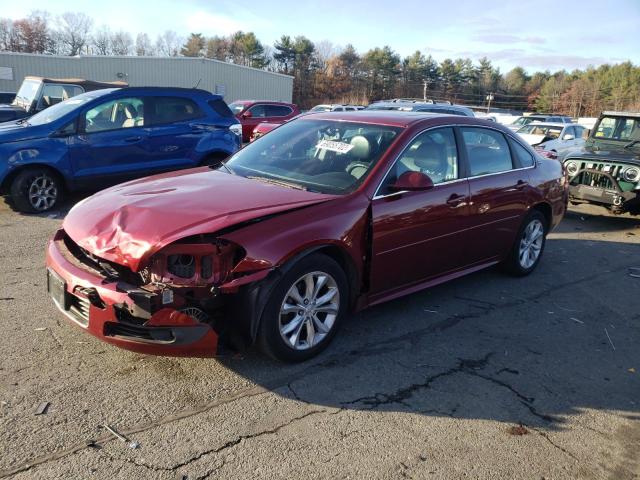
x: 128, y: 223
x: 532, y: 139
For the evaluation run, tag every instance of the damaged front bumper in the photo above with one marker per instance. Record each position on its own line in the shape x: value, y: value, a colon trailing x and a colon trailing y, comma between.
x: 599, y: 187
x: 120, y: 313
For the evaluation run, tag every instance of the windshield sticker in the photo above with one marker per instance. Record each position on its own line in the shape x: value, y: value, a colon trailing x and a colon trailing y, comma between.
x: 332, y: 146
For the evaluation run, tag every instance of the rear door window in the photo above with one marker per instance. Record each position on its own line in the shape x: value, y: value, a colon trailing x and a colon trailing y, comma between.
x: 166, y: 110
x: 523, y: 158
x: 487, y: 151
x: 278, y: 111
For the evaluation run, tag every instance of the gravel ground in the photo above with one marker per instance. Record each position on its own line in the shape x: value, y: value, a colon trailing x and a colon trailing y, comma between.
x: 485, y: 377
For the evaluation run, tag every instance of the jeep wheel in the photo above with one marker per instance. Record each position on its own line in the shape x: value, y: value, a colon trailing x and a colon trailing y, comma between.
x: 36, y: 190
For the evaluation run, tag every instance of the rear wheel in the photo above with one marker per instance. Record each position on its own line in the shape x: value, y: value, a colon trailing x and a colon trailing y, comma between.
x: 36, y: 190
x: 305, y: 310
x: 529, y: 245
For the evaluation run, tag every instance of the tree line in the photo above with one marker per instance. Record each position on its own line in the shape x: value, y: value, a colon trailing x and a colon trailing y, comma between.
x: 324, y: 72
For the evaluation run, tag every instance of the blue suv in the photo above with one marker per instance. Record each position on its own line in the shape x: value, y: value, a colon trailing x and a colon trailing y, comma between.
x: 105, y: 137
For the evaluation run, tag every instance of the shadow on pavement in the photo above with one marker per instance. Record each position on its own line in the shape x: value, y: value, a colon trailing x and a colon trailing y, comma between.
x: 529, y: 351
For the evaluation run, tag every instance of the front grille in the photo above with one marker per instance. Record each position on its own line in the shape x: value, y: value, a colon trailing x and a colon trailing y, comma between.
x: 79, y: 308
x: 595, y: 180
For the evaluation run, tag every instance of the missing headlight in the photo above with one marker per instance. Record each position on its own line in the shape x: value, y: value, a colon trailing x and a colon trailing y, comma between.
x: 183, y: 266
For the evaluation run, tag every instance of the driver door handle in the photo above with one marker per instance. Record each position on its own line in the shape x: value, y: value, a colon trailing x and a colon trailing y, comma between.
x: 457, y: 201
x: 521, y: 184
x: 133, y: 139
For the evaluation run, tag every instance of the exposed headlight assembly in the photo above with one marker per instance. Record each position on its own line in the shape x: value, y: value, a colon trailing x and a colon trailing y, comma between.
x: 631, y: 174
x: 571, y: 167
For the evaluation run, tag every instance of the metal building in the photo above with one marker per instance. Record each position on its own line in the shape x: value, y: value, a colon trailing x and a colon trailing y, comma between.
x: 233, y: 82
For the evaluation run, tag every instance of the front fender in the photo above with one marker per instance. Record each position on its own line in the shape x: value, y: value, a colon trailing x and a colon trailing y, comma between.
x: 50, y: 152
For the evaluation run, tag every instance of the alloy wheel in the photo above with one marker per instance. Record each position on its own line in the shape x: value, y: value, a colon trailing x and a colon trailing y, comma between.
x: 531, y: 244
x: 43, y: 192
x: 309, y: 310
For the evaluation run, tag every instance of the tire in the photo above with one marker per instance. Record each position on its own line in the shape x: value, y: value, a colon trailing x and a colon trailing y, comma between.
x: 286, y: 336
x: 36, y: 190
x: 533, y: 232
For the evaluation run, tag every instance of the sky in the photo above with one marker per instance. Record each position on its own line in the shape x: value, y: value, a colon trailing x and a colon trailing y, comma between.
x: 537, y: 35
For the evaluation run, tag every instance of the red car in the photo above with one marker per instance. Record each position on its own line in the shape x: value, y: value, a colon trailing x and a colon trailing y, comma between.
x: 328, y: 214
x: 252, y: 112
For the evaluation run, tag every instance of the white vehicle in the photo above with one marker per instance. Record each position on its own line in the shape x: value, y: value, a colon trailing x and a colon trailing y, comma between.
x: 538, y: 117
x: 336, y: 108
x: 553, y: 140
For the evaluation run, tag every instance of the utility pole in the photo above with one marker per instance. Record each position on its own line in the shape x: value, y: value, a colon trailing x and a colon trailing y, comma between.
x: 489, y: 99
x: 424, y: 90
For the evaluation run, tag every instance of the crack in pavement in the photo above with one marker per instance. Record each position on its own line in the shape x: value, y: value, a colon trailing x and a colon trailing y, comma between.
x: 225, y: 446
x: 340, y: 358
x: 465, y: 366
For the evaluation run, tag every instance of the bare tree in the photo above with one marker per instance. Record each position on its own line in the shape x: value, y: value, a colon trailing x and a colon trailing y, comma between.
x: 74, y: 29
x: 143, y: 45
x: 6, y: 31
x: 169, y: 44
x: 101, y: 41
x: 121, y: 43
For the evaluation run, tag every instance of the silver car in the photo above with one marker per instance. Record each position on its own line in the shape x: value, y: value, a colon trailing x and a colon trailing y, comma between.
x: 553, y: 140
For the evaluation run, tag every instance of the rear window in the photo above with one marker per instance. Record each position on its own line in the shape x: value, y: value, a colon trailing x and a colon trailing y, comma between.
x: 220, y: 108
x: 173, y: 109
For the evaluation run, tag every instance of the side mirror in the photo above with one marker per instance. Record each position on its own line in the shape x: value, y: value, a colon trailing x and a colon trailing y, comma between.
x: 569, y: 136
x: 247, y: 114
x: 412, y: 182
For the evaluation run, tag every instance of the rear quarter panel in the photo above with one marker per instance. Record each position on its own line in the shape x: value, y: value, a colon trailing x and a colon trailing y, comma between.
x: 550, y: 186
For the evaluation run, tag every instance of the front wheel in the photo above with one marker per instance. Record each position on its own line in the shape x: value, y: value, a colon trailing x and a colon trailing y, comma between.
x: 304, y: 310
x: 529, y: 245
x: 36, y: 190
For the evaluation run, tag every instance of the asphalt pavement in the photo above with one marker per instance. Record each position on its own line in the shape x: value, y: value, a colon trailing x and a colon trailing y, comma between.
x: 485, y: 377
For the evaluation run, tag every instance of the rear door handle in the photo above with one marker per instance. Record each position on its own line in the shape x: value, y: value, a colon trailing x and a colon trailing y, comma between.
x: 133, y: 139
x: 457, y: 201
x: 521, y: 184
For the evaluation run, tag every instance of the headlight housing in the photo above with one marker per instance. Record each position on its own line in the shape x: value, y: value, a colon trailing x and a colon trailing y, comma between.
x: 631, y: 174
x: 572, y: 168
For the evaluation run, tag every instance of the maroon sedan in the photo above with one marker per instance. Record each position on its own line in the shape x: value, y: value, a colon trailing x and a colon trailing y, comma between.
x: 253, y: 112
x: 328, y: 214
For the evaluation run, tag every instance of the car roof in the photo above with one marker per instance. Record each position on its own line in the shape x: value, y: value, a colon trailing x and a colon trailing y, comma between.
x: 392, y: 118
x: 191, y: 91
x: 610, y: 113
x: 551, y: 124
x: 273, y: 102
x: 77, y: 81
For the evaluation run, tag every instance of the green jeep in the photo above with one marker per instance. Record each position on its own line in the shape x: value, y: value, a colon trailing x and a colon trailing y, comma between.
x: 606, y: 171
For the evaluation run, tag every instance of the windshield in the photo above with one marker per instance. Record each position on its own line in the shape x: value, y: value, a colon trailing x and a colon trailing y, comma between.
x: 526, y: 120
x: 323, y: 156
x: 27, y: 93
x: 618, y: 128
x: 236, y: 108
x: 59, y: 110
x: 546, y: 130
x: 321, y: 108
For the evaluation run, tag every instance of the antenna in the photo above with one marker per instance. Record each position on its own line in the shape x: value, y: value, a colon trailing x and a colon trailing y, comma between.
x: 199, y: 80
